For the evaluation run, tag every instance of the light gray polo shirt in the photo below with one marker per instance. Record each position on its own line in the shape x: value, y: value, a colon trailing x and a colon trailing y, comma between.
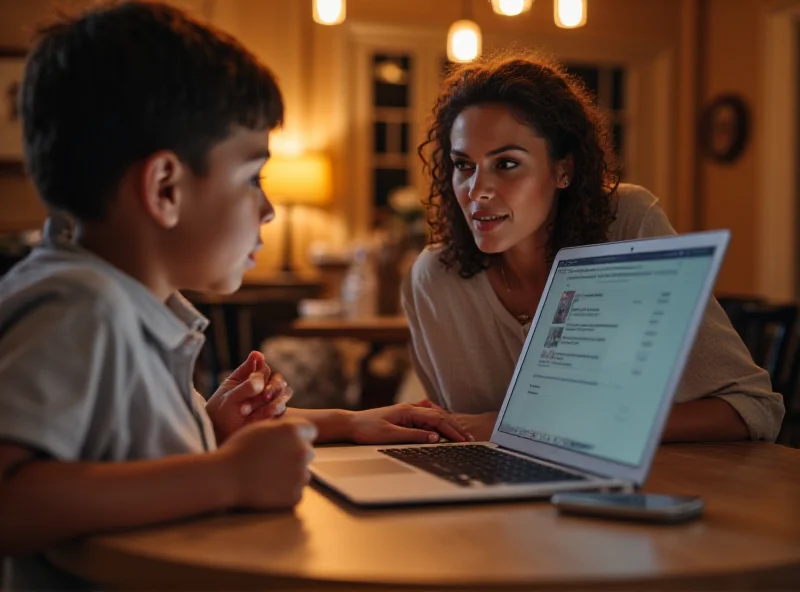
x: 93, y: 367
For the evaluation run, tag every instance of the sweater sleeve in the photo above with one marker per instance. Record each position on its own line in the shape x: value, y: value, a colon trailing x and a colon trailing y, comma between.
x: 420, y: 354
x: 720, y: 364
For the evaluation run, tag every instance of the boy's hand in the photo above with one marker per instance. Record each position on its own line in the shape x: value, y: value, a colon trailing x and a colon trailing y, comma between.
x: 404, y: 423
x: 268, y: 463
x: 251, y: 393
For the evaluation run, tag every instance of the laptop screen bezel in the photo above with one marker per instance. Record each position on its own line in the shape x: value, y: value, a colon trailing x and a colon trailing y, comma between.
x: 602, y: 466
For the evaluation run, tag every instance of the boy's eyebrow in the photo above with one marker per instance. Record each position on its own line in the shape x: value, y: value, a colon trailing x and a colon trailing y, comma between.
x: 502, y: 148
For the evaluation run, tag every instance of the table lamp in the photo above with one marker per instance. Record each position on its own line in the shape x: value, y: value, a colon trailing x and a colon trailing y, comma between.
x: 296, y: 180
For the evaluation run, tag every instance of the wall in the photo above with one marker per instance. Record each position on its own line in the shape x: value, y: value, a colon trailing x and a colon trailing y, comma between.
x: 728, y: 196
x: 311, y: 62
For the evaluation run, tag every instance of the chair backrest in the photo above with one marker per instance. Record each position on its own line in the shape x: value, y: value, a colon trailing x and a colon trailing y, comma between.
x: 768, y: 331
x: 734, y: 307
x: 791, y: 384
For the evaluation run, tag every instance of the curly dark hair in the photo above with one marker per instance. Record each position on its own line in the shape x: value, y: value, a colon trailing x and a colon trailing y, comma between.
x: 558, y: 108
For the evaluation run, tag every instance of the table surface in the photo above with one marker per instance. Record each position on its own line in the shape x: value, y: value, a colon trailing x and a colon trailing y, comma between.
x: 748, y: 539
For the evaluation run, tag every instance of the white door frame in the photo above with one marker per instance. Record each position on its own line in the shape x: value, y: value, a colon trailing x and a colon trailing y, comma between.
x: 651, y: 100
x: 778, y: 191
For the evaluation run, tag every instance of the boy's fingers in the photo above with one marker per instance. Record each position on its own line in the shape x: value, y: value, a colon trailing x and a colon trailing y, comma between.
x: 252, y: 387
x: 249, y: 366
x: 277, y: 382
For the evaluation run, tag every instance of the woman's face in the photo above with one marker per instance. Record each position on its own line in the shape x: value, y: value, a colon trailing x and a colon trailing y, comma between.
x: 503, y: 178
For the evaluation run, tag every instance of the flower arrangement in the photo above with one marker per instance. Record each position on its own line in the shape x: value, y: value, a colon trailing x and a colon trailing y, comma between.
x: 406, y: 203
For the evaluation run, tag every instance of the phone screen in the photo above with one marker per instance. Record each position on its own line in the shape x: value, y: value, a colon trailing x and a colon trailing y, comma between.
x: 644, y: 501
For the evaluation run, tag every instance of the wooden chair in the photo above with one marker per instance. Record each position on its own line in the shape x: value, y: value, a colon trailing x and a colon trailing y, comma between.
x: 768, y: 331
x: 790, y: 430
x: 771, y: 334
x: 735, y: 306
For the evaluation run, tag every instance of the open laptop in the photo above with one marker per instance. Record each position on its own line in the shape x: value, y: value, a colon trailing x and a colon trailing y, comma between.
x: 590, y: 394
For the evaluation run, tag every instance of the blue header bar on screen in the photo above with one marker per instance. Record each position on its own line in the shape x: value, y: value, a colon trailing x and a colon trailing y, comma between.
x: 632, y: 257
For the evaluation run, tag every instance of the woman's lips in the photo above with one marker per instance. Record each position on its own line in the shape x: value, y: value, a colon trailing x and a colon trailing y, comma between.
x: 487, y: 221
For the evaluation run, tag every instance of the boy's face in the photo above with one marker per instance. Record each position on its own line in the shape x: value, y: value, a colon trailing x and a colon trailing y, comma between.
x: 218, y: 232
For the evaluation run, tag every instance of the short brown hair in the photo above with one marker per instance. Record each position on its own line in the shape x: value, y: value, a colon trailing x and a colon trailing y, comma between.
x: 120, y: 82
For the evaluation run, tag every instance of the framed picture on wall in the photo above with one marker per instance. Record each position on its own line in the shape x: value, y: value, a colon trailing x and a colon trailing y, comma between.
x: 12, y: 63
x: 725, y: 128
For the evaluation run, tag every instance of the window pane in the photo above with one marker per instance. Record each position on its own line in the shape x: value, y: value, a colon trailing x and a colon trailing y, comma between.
x: 618, y: 89
x: 618, y: 135
x: 588, y: 75
x: 385, y: 181
x: 390, y: 80
x: 379, y: 137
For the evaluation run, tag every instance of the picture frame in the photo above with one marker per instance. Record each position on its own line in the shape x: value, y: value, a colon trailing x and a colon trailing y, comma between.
x: 12, y: 65
x: 725, y: 128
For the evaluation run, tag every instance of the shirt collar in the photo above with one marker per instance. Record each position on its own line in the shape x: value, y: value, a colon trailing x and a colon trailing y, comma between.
x: 170, y: 323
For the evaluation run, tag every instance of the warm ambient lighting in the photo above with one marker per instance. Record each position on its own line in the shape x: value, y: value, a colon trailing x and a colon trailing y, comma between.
x: 463, y: 41
x: 511, y: 7
x: 329, y: 12
x: 296, y: 180
x: 570, y: 14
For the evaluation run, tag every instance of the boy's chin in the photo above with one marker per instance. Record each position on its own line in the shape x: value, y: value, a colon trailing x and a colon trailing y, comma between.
x: 227, y: 285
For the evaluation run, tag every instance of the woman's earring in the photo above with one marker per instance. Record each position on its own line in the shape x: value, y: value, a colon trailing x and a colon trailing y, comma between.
x: 565, y: 183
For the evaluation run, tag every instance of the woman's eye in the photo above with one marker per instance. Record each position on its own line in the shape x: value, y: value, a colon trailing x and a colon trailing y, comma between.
x: 462, y: 165
x: 505, y: 163
x: 256, y: 181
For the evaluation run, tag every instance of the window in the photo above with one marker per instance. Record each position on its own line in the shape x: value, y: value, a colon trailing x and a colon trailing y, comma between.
x: 607, y: 85
x: 391, y: 125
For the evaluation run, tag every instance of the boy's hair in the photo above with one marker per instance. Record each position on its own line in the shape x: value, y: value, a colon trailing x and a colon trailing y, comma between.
x: 121, y: 82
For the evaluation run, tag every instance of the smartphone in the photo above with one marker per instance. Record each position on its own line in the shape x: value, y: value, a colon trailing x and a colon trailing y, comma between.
x: 631, y: 506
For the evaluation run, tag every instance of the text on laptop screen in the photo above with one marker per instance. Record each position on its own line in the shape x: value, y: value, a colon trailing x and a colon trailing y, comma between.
x: 604, y: 349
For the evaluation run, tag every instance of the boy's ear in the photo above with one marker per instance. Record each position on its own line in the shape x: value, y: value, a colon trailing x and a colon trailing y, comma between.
x: 162, y: 173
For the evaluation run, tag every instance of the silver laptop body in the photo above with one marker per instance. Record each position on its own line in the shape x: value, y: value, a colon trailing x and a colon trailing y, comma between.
x: 591, y: 392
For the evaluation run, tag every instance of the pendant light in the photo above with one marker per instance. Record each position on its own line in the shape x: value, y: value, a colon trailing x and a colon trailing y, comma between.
x: 511, y: 7
x: 570, y: 14
x: 329, y: 12
x: 464, y: 38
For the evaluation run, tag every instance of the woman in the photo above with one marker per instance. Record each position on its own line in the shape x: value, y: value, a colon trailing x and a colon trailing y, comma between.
x: 520, y: 167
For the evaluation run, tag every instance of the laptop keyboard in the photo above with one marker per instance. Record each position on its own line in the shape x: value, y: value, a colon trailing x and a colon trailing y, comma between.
x: 474, y: 464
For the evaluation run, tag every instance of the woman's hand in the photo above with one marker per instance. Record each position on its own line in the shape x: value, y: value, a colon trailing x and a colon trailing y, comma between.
x: 251, y: 393
x: 404, y: 423
x: 480, y: 425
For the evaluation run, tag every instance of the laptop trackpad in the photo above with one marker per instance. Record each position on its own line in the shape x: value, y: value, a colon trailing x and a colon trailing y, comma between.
x: 361, y: 468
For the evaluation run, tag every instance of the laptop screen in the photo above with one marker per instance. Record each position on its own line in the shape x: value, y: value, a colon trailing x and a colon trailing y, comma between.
x: 604, y: 349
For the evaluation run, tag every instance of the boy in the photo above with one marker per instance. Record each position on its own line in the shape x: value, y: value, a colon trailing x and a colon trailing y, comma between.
x: 149, y: 130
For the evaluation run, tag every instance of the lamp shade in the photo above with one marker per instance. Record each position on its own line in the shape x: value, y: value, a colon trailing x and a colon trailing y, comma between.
x: 511, y: 7
x: 463, y: 41
x: 329, y: 12
x: 297, y: 180
x: 570, y: 14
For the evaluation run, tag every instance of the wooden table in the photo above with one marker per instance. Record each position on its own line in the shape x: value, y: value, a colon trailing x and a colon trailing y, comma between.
x: 379, y: 329
x: 749, y: 539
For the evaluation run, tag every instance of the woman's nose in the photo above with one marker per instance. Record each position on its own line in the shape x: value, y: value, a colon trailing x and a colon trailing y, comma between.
x: 480, y: 186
